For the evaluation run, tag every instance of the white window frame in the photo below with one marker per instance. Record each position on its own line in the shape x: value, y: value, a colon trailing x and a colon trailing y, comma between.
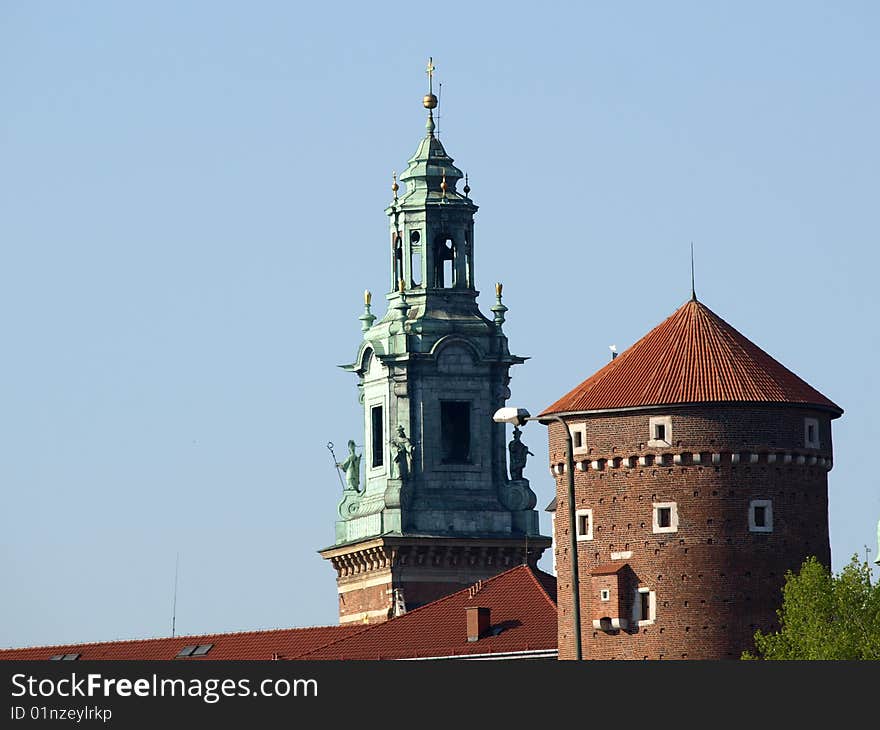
x: 673, y: 517
x: 814, y: 443
x: 580, y: 428
x: 604, y: 594
x: 767, y: 504
x: 666, y: 422
x: 638, y: 619
x: 588, y: 513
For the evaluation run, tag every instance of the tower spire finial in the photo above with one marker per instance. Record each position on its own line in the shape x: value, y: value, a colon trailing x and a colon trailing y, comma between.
x: 430, y: 101
x: 693, y: 287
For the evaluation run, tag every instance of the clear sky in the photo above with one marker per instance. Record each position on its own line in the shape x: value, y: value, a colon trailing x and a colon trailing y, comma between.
x: 191, y: 205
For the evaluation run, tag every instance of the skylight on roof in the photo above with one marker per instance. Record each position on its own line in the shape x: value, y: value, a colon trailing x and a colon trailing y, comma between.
x: 194, y: 650
x: 64, y: 657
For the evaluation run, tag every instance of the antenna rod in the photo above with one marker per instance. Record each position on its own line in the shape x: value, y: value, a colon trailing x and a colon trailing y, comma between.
x: 174, y: 605
x: 693, y: 287
x: 439, y: 97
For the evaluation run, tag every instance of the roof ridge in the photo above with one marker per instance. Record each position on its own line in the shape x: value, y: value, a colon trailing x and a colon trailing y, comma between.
x: 540, y: 585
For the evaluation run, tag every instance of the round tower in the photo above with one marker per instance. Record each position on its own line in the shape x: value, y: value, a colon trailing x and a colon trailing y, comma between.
x: 701, y: 477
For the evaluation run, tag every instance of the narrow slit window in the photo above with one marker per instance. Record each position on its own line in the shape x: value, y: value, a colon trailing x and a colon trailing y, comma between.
x: 584, y: 524
x: 644, y: 606
x: 455, y: 432
x: 664, y: 517
x: 377, y: 433
x: 760, y: 516
x: 448, y: 273
x: 578, y: 439
x: 416, y: 268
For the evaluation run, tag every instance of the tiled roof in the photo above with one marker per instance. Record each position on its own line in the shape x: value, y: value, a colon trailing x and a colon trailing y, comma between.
x: 522, y: 604
x: 522, y: 611
x: 694, y: 356
x: 264, y: 645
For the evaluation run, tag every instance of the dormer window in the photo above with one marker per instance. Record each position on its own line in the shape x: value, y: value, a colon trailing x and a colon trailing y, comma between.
x: 660, y: 431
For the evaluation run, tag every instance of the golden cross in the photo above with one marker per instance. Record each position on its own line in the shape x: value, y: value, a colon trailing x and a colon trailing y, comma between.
x: 430, y: 72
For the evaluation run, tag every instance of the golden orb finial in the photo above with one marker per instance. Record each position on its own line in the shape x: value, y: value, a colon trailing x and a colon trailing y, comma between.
x: 443, y: 185
x: 394, y: 186
x: 430, y: 101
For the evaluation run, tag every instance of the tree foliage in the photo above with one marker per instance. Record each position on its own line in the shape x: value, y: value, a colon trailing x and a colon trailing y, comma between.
x: 825, y: 616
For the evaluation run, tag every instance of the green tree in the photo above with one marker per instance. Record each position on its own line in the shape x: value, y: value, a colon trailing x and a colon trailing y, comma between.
x: 825, y: 616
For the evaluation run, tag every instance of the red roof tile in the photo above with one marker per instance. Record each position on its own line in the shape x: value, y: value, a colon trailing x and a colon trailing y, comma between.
x: 286, y: 643
x: 694, y: 356
x: 522, y: 612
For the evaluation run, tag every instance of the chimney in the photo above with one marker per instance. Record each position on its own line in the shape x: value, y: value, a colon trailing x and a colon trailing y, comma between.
x: 478, y: 622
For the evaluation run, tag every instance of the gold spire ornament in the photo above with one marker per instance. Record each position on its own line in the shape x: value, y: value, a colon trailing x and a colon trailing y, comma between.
x: 498, y: 289
x: 394, y: 186
x: 430, y: 101
x: 368, y: 297
x: 443, y: 185
x: 401, y: 286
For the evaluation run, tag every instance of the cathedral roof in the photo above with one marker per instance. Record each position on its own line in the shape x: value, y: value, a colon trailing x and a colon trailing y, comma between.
x: 522, y: 603
x: 694, y: 356
x: 250, y: 645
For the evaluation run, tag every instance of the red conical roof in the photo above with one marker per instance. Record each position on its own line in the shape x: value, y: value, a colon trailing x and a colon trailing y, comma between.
x: 692, y: 357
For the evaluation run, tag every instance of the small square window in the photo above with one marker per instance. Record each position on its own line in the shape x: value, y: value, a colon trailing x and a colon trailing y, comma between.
x: 605, y: 594
x: 578, y: 436
x: 659, y: 431
x: 761, y: 515
x: 584, y: 524
x: 665, y: 517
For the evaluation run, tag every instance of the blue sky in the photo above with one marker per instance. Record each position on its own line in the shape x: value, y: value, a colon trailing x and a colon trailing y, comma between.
x: 191, y: 205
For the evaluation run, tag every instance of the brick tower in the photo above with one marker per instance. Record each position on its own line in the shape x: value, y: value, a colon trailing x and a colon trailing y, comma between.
x: 435, y: 510
x: 701, y: 477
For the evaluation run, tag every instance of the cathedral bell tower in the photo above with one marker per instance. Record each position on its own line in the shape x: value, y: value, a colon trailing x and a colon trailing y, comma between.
x: 428, y: 507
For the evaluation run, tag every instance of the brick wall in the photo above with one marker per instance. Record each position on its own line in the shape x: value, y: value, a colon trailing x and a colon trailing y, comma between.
x: 716, y: 582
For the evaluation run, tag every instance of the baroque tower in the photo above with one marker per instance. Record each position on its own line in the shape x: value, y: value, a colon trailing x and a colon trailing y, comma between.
x: 431, y: 509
